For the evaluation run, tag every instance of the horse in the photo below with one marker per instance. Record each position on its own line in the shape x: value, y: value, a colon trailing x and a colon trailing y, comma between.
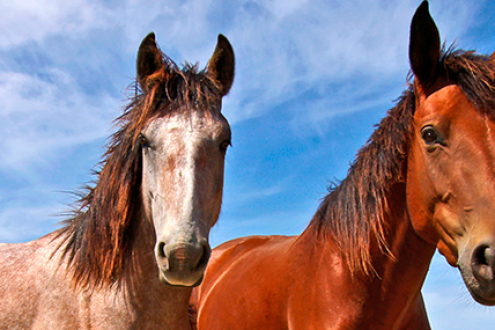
x: 425, y: 180
x: 136, y: 242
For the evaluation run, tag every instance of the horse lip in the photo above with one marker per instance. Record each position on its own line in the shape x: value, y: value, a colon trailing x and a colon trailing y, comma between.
x: 171, y: 278
x: 482, y: 291
x: 482, y: 300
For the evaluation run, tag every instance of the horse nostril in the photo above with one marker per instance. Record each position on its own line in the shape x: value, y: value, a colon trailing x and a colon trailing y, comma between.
x: 160, y: 250
x: 161, y: 256
x: 205, y: 256
x: 483, y: 263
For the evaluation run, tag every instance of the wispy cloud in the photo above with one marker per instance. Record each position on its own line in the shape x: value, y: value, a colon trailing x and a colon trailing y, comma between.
x: 23, y: 21
x: 41, y: 119
x: 319, y: 42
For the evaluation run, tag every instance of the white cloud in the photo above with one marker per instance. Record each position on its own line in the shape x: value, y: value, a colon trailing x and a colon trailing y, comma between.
x: 284, y: 53
x: 283, y: 48
x: 34, y: 20
x: 40, y: 118
x: 283, y: 8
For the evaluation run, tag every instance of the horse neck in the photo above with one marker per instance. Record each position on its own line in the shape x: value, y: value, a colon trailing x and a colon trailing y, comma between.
x: 401, y: 273
x: 396, y: 275
x: 410, y: 255
x: 362, y: 230
x: 402, y: 247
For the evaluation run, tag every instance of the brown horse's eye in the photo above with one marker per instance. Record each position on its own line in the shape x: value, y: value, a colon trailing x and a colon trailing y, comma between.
x: 143, y: 141
x: 429, y: 135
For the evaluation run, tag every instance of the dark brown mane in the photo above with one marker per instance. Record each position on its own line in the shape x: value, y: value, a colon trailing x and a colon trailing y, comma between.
x: 475, y: 74
x: 353, y: 212
x: 98, y: 238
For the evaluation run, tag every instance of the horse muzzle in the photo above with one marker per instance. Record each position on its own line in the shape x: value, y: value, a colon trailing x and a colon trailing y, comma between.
x: 182, y: 264
x: 478, y: 271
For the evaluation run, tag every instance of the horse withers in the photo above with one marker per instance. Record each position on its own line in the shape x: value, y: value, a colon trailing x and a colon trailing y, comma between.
x: 138, y: 240
x: 424, y: 180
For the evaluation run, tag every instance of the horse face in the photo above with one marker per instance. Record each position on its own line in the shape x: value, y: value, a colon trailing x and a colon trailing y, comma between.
x: 451, y: 172
x: 183, y: 162
x: 451, y: 185
x: 183, y: 152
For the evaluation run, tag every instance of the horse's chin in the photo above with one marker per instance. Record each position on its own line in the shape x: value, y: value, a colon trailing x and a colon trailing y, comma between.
x: 482, y: 291
x: 180, y: 280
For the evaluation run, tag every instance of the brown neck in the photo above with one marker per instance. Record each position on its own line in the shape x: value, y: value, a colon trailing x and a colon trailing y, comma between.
x: 389, y: 296
x: 396, y: 289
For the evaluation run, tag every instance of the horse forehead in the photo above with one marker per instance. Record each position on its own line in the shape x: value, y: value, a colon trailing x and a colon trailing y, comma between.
x: 449, y: 102
x: 198, y: 124
x: 443, y: 101
x: 450, y: 110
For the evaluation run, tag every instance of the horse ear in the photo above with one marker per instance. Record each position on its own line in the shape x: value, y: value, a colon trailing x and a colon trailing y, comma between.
x: 492, y: 57
x: 221, y: 65
x: 424, y: 45
x: 149, y: 60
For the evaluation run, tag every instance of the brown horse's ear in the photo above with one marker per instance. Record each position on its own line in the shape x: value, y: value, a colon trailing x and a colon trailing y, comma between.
x: 492, y: 57
x: 424, y: 45
x: 221, y: 65
x: 149, y: 60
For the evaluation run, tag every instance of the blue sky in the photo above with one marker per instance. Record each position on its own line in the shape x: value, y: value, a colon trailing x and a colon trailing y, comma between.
x: 313, y: 78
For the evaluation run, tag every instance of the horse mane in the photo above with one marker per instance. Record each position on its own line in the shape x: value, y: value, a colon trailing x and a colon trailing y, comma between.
x: 353, y: 212
x: 99, y: 234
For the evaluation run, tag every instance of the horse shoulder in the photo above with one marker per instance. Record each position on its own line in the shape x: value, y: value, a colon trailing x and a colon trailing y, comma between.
x: 249, y: 273
x: 321, y: 293
x: 248, y: 251
x: 16, y: 293
x: 34, y: 288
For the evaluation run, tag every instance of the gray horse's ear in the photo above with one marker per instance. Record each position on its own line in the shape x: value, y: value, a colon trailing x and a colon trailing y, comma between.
x: 149, y: 60
x: 221, y: 66
x: 424, y: 45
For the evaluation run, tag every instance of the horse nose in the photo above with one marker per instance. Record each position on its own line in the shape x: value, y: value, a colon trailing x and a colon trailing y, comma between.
x: 183, y: 263
x: 187, y: 257
x: 483, y: 263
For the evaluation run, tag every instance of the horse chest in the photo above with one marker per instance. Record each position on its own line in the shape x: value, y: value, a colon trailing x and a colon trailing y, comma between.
x: 159, y: 307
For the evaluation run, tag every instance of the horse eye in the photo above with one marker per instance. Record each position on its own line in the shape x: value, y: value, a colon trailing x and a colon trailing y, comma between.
x: 143, y: 141
x: 429, y: 135
x: 225, y: 145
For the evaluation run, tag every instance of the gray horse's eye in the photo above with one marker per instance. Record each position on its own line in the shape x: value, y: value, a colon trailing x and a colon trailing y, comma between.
x: 143, y: 141
x: 225, y: 145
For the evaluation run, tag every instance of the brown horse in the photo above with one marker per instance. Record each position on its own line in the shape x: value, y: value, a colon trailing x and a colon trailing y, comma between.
x: 424, y: 180
x: 138, y: 241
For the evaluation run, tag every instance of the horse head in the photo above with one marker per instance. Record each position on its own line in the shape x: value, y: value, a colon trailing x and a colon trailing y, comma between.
x: 451, y: 162
x: 183, y: 148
